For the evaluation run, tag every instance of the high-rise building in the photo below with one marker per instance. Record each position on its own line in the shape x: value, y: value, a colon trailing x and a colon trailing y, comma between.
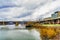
x: 56, y: 14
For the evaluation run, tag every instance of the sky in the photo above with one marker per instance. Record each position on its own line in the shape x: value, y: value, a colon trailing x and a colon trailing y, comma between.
x: 27, y: 10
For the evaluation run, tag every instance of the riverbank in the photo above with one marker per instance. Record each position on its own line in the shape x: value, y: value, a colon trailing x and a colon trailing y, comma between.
x: 48, y: 31
x: 51, y: 25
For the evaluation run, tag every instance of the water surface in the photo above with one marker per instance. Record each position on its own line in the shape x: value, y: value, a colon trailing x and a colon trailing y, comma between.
x: 19, y: 35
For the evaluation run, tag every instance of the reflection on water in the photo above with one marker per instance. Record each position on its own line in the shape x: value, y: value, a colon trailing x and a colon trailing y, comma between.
x: 19, y: 35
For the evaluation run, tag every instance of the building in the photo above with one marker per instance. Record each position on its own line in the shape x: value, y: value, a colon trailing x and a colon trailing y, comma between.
x: 55, y: 15
x: 58, y: 14
x: 54, y: 19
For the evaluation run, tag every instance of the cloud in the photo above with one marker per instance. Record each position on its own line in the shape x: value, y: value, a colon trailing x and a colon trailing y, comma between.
x: 12, y: 12
x: 46, y: 9
x: 26, y: 10
x: 29, y: 4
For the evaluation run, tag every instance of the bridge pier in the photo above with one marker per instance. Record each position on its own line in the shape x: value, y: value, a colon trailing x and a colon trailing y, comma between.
x: 16, y: 23
x: 58, y: 21
x: 3, y: 23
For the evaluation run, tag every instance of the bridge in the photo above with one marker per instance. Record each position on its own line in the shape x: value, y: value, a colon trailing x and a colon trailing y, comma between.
x: 12, y: 22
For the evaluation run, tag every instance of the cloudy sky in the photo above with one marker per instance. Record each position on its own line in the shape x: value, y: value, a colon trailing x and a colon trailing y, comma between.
x: 26, y: 10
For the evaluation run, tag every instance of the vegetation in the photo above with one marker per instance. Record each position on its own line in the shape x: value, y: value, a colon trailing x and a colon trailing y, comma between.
x: 47, y: 31
x: 49, y: 25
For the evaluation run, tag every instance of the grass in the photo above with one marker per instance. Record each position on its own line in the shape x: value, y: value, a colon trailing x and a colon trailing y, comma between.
x: 51, y: 25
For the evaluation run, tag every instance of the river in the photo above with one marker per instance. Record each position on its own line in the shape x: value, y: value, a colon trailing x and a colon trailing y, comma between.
x: 19, y: 35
